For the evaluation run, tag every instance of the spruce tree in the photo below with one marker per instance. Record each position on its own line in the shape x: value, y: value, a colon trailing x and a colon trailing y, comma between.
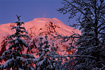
x: 48, y: 58
x: 91, y: 49
x: 14, y: 57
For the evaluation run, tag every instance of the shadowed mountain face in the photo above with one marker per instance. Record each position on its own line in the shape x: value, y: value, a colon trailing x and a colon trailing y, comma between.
x: 58, y: 34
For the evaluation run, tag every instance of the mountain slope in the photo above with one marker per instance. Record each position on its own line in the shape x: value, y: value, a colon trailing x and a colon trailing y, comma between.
x: 56, y: 31
x: 60, y: 27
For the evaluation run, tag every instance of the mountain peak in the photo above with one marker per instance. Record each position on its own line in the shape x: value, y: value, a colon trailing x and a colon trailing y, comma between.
x: 56, y: 31
x: 42, y: 22
x: 41, y: 25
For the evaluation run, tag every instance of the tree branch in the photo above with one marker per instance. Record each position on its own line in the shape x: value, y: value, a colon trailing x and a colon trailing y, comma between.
x: 77, y: 9
x: 86, y: 56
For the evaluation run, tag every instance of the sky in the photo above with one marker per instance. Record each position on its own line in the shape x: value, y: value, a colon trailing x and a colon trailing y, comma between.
x: 31, y: 9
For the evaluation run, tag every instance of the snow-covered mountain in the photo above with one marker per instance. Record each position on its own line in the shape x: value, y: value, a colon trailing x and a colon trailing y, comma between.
x: 56, y: 31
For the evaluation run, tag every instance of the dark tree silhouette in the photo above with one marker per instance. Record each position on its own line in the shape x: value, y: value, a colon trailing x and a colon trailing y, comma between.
x: 91, y: 46
x: 14, y: 57
x: 48, y: 59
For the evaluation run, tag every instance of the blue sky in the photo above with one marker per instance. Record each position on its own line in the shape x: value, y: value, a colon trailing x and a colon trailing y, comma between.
x: 30, y: 9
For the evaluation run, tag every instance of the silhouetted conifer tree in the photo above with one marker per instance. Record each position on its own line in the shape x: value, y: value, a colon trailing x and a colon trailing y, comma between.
x: 48, y: 58
x: 14, y: 57
x: 91, y: 48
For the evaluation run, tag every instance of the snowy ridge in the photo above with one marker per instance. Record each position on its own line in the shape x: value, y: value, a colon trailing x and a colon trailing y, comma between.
x: 38, y: 23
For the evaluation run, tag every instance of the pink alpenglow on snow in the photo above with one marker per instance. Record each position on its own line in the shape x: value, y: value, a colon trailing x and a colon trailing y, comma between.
x: 39, y: 27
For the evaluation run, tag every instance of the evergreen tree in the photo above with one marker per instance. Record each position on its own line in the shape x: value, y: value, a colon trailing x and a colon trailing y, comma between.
x: 14, y: 57
x: 48, y: 59
x: 91, y: 47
